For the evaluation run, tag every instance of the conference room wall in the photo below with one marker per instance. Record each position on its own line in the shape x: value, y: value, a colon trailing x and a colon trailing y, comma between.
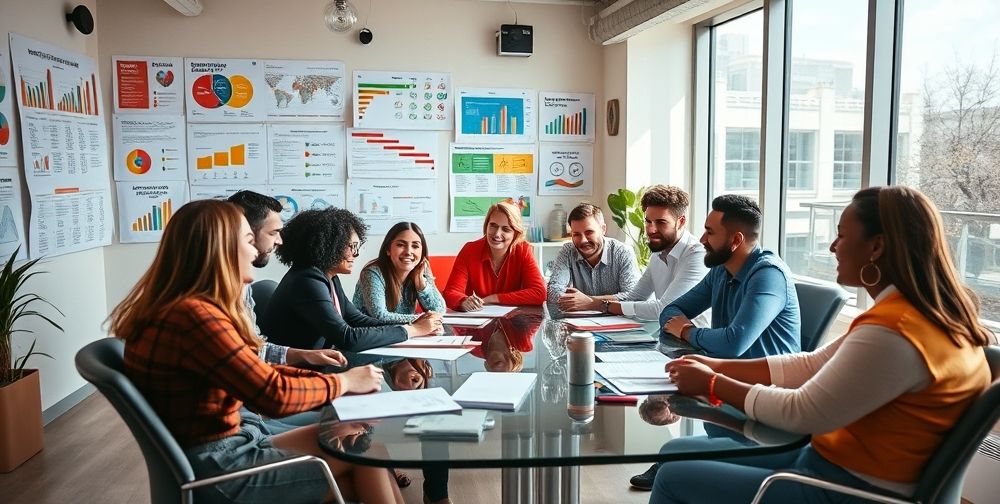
x: 431, y: 35
x: 75, y: 283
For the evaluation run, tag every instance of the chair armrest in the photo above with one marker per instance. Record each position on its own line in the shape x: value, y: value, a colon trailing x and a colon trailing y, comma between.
x: 242, y: 473
x: 826, y: 485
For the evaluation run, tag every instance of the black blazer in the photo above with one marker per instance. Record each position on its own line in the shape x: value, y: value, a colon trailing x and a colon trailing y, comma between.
x: 301, y: 315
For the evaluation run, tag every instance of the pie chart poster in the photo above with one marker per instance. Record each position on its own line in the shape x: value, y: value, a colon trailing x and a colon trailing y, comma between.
x: 225, y: 90
x: 565, y: 170
x: 150, y: 147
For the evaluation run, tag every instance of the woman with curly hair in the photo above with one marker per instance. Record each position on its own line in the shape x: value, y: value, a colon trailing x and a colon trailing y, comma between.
x: 309, y: 308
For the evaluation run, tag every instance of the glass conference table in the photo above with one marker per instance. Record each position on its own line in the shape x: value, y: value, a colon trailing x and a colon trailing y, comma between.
x: 539, y: 447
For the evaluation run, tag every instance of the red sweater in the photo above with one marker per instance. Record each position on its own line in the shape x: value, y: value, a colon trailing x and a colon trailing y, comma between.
x: 519, y: 282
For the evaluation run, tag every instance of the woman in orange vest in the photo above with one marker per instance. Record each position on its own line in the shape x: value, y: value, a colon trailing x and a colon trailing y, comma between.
x: 879, y: 400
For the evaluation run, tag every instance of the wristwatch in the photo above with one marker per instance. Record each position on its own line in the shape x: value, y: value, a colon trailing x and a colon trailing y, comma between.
x: 605, y: 306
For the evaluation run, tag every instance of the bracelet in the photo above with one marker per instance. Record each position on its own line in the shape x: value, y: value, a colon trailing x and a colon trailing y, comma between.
x: 712, y: 398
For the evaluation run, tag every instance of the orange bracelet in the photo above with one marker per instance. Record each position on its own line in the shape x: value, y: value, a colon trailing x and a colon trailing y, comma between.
x: 712, y: 398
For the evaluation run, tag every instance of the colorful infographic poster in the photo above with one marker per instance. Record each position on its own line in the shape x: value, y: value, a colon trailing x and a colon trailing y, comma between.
x: 566, y: 117
x: 201, y: 192
x: 149, y: 147
x: 491, y: 115
x: 393, y: 154
x: 144, y: 209
x: 296, y: 198
x: 481, y: 175
x: 69, y: 220
x: 227, y: 154
x: 306, y: 154
x: 11, y: 216
x: 225, y: 90
x: 148, y: 84
x: 565, y: 170
x: 381, y: 203
x: 8, y: 151
x: 305, y: 90
x: 402, y: 100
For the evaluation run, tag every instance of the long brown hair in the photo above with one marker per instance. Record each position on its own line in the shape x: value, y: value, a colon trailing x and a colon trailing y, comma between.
x: 198, y: 258
x: 917, y: 260
x: 393, y: 287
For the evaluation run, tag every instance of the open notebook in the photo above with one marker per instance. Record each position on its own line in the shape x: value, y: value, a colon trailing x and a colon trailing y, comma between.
x: 497, y: 391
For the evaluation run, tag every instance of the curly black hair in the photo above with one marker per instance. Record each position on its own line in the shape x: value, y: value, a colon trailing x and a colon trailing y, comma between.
x: 319, y: 238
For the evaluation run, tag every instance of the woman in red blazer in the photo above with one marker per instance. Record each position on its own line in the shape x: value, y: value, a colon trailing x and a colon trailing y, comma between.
x: 497, y: 268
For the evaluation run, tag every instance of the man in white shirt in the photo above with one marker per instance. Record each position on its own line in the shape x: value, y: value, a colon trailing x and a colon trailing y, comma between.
x: 677, y: 262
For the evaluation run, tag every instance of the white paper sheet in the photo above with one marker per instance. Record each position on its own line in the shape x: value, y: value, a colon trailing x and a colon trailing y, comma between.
x: 305, y: 90
x: 144, y: 209
x: 631, y: 369
x: 8, y: 147
x: 296, y: 198
x: 566, y: 117
x: 149, y: 147
x: 481, y: 175
x: 227, y: 154
x: 635, y: 356
x: 466, y: 321
x: 11, y: 217
x: 225, y: 90
x: 393, y: 154
x: 148, y: 84
x: 381, y: 203
x: 394, y: 404
x: 503, y: 391
x: 402, y: 100
x: 565, y: 170
x: 446, y: 354
x: 495, y: 115
x: 491, y: 311
x: 306, y: 154
x: 436, y: 342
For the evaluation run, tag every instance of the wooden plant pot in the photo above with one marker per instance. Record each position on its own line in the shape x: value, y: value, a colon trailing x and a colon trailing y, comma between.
x: 20, y: 421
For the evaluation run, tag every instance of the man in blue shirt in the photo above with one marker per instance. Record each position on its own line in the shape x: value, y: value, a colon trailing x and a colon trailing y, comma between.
x: 755, y: 311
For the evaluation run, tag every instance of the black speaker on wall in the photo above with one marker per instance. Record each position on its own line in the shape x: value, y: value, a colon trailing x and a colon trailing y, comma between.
x: 82, y: 19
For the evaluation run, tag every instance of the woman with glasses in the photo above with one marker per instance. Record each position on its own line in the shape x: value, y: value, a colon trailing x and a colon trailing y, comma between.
x: 309, y: 308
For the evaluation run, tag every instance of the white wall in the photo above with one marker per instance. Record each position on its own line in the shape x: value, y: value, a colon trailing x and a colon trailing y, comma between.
x: 75, y: 283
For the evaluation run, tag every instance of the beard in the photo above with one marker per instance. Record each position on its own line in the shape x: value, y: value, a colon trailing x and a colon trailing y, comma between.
x: 659, y: 241
x: 714, y: 257
x: 594, y: 249
x: 261, y: 260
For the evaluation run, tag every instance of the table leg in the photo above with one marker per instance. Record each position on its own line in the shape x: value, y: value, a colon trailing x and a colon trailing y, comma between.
x: 517, y: 484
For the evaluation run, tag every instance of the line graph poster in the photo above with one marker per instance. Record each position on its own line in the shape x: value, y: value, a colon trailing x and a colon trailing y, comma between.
x: 227, y: 154
x: 565, y: 170
x: 393, y: 154
x: 8, y: 151
x: 149, y: 147
x: 306, y: 154
x: 144, y: 209
x: 148, y: 84
x: 305, y: 90
x: 566, y: 117
x: 402, y: 100
x: 481, y: 175
x: 491, y: 115
x: 11, y: 216
x: 296, y: 198
x: 382, y: 203
x: 225, y: 90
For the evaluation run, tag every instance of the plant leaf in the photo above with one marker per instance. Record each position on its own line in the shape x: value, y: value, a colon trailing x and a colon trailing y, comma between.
x: 629, y: 198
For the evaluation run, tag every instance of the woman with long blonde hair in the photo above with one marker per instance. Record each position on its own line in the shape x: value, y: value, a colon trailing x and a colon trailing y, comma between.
x: 190, y: 350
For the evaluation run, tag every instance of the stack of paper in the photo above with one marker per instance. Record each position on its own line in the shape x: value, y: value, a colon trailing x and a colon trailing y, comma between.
x: 603, y: 323
x: 466, y: 321
x: 467, y: 426
x: 636, y: 377
x: 490, y: 311
x: 445, y: 354
x: 438, y: 342
x: 394, y: 404
x: 625, y: 336
x: 633, y: 356
x: 499, y: 391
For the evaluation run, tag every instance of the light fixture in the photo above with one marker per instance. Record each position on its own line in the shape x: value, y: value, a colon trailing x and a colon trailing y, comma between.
x: 340, y: 16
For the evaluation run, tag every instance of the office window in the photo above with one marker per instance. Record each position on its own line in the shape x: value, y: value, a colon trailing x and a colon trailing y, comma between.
x: 847, y: 160
x: 801, y: 159
x: 948, y: 138
x: 742, y: 159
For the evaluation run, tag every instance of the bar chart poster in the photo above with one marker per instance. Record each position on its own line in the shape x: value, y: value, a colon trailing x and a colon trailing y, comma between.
x: 566, y: 117
x: 487, y: 115
x: 305, y: 90
x: 149, y: 147
x: 148, y: 84
x: 402, y: 100
x: 390, y: 154
x: 381, y: 203
x: 144, y: 209
x: 306, y: 154
x: 227, y: 154
x: 565, y: 170
x: 481, y: 175
x: 8, y: 152
x: 225, y: 90
x: 296, y: 198
x: 11, y: 217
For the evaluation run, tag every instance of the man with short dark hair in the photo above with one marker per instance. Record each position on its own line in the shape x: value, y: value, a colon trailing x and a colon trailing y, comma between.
x: 591, y: 265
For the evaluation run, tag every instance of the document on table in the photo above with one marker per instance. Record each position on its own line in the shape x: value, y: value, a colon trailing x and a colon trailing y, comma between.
x: 636, y: 377
x: 445, y: 354
x: 501, y: 391
x: 633, y: 356
x: 491, y: 311
x: 437, y: 342
x: 467, y: 426
x: 394, y: 404
x: 466, y: 321
x: 603, y: 323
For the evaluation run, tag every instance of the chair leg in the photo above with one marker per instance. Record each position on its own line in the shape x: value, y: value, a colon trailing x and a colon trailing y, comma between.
x: 250, y: 471
x: 826, y: 485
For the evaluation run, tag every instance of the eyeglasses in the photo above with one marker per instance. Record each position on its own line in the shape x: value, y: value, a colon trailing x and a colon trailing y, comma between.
x: 355, y: 248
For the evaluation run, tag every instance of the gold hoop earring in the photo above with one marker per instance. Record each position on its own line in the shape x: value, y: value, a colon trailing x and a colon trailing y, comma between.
x: 878, y: 275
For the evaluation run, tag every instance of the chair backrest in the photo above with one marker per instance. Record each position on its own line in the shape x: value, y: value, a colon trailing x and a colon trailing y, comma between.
x: 943, y: 476
x: 441, y: 266
x: 818, y: 305
x: 261, y: 291
x: 102, y: 363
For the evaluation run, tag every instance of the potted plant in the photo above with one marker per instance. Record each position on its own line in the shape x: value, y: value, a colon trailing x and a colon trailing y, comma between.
x: 20, y: 393
x: 626, y: 211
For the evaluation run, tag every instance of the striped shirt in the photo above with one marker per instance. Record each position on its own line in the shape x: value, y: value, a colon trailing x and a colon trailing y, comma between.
x: 616, y: 273
x: 196, y: 372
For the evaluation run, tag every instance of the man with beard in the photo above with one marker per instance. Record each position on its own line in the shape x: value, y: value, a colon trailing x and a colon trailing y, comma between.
x: 676, y: 262
x: 755, y: 311
x: 592, y: 265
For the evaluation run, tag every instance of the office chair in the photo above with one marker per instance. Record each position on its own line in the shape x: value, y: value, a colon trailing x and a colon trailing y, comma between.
x: 261, y: 291
x: 942, y: 477
x: 819, y: 306
x: 171, y: 478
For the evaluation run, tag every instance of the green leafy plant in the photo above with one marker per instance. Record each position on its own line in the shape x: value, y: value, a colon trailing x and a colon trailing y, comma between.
x: 626, y: 211
x: 15, y: 306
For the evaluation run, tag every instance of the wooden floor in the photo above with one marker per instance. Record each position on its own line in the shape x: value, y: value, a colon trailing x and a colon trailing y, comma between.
x: 90, y: 456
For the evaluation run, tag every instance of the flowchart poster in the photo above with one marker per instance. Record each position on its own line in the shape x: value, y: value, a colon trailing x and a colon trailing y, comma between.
x: 565, y: 170
x: 566, y: 117
x: 305, y: 90
x: 227, y: 154
x: 306, y: 153
x: 391, y: 154
x: 402, y: 100
x: 148, y: 85
x: 149, y: 147
x: 225, y: 90
x: 8, y: 151
x: 493, y: 115
x: 144, y: 209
